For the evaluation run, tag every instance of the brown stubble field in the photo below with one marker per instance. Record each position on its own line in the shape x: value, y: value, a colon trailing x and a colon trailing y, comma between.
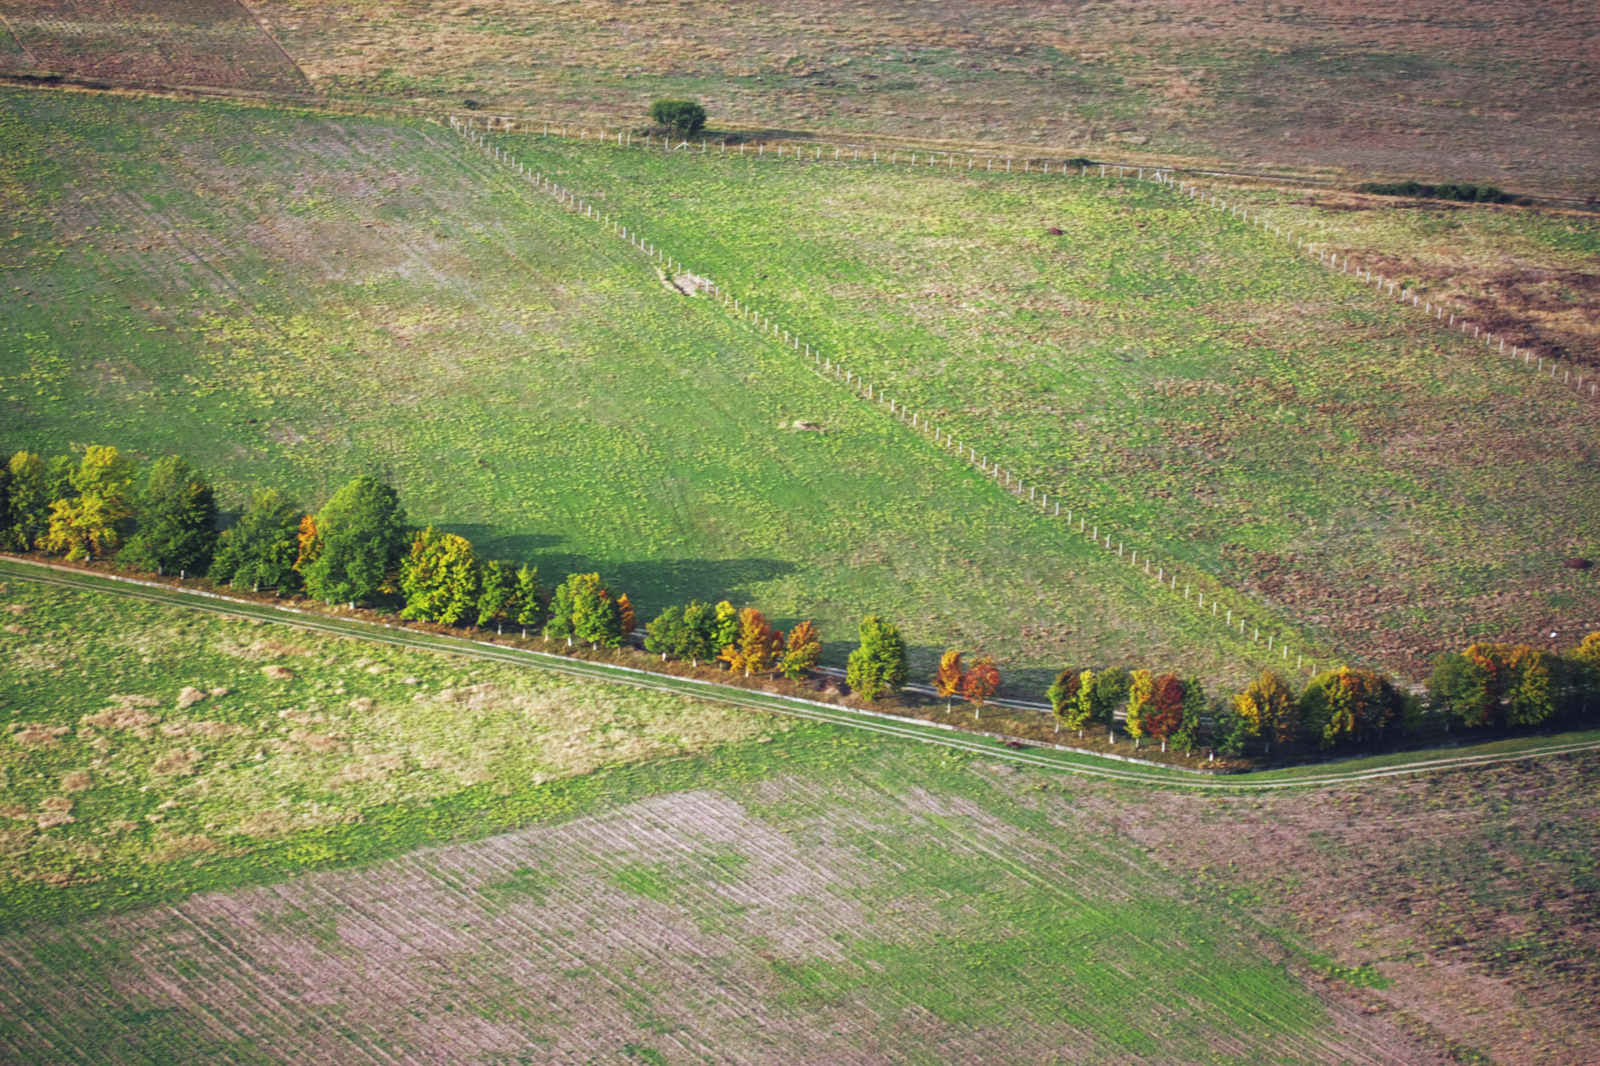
x: 1462, y: 91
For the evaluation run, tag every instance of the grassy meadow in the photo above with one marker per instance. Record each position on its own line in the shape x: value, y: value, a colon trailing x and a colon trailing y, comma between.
x: 1184, y: 377
x: 290, y: 299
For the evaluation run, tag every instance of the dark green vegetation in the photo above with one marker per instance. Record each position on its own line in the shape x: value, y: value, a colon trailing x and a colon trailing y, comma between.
x: 1195, y: 383
x: 288, y: 301
x: 1482, y: 194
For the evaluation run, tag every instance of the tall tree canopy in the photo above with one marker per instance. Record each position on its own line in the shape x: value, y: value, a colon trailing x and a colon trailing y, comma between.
x: 1267, y: 706
x: 261, y: 548
x: 28, y: 503
x: 362, y: 535
x: 877, y: 668
x: 758, y: 646
x: 177, y: 516
x: 440, y: 578
x: 1346, y: 704
x: 801, y: 651
x: 1165, y: 712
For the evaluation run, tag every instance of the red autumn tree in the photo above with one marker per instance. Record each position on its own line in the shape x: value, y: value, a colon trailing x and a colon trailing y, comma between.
x: 802, y: 649
x: 980, y: 683
x: 1166, y: 708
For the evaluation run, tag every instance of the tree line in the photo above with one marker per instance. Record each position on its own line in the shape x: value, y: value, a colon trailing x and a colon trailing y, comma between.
x: 360, y: 546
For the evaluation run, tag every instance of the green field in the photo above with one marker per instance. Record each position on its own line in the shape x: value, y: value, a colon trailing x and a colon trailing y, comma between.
x: 1192, y: 382
x: 290, y: 299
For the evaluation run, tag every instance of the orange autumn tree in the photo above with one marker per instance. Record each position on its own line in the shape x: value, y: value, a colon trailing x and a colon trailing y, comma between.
x: 1268, y: 707
x: 625, y: 610
x: 947, y: 682
x: 1141, y: 690
x: 757, y: 646
x: 802, y: 649
x: 980, y: 683
x: 310, y: 543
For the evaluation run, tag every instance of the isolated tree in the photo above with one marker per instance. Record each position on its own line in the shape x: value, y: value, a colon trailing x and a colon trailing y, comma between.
x: 980, y: 684
x: 262, y: 547
x: 1191, y: 722
x: 1345, y: 704
x: 663, y: 634
x: 441, y: 578
x: 1164, y: 715
x: 947, y: 682
x: 758, y: 646
x: 877, y: 668
x: 724, y: 627
x: 684, y: 116
x: 1268, y: 706
x: 1141, y: 690
x: 177, y: 516
x: 802, y: 649
x: 497, y: 600
x: 626, y: 621
x: 28, y: 503
x: 363, y: 536
x: 1063, y: 697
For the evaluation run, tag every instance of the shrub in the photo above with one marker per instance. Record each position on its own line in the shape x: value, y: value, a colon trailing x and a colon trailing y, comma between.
x: 1482, y: 194
x: 685, y: 116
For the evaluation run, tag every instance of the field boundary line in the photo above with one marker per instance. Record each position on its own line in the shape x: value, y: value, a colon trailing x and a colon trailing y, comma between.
x: 1070, y: 760
x: 1255, y: 620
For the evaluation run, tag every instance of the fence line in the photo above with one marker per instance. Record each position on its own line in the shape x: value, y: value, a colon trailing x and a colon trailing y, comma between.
x: 1196, y: 586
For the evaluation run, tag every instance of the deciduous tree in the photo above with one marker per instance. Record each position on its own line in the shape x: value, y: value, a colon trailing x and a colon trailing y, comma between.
x: 1141, y: 690
x: 497, y: 601
x: 758, y: 646
x: 1063, y: 697
x: 363, y: 537
x: 980, y: 684
x: 1267, y: 706
x: 626, y: 621
x: 440, y: 578
x: 83, y: 527
x: 262, y: 547
x: 1191, y: 725
x: 724, y: 628
x: 699, y: 634
x: 947, y: 682
x: 877, y: 668
x: 801, y: 651
x: 664, y: 632
x: 1494, y: 684
x: 28, y: 506
x: 1345, y: 704
x: 1164, y: 714
x: 684, y: 116
x: 176, y: 515
x: 530, y: 597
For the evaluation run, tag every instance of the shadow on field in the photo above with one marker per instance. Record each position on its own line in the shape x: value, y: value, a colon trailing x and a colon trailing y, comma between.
x: 651, y: 584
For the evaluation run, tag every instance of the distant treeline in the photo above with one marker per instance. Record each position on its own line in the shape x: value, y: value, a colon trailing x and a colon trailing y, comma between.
x: 360, y: 547
x: 1481, y: 194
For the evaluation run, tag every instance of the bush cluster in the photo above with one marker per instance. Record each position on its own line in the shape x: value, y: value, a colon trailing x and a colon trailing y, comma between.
x: 1482, y: 194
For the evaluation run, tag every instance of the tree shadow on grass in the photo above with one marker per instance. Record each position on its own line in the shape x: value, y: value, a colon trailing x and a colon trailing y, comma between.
x: 651, y: 584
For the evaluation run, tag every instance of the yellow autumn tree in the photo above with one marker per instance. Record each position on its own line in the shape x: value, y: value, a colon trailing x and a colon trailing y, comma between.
x: 1267, y: 706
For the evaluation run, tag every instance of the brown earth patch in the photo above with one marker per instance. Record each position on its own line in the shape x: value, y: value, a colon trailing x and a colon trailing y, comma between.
x: 177, y: 763
x: 37, y: 736
x: 278, y: 673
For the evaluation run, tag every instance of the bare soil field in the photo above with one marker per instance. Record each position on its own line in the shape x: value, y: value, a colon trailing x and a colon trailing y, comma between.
x: 214, y: 43
x: 881, y: 902
x: 1463, y: 91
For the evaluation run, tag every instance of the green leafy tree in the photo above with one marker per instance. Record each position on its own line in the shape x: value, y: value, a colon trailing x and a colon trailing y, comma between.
x: 260, y: 550
x: 663, y: 634
x: 1110, y: 692
x: 1583, y: 674
x: 104, y: 472
x: 177, y: 516
x: 1063, y: 697
x: 877, y: 668
x: 1191, y: 722
x: 1141, y: 690
x: 497, y: 603
x: 363, y: 536
x: 1229, y: 729
x: 1495, y: 684
x: 58, y: 477
x: 684, y: 116
x: 801, y: 651
x: 530, y: 597
x: 28, y: 504
x: 595, y: 615
x: 441, y: 578
x: 1350, y: 705
x: 700, y: 633
x: 725, y: 628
